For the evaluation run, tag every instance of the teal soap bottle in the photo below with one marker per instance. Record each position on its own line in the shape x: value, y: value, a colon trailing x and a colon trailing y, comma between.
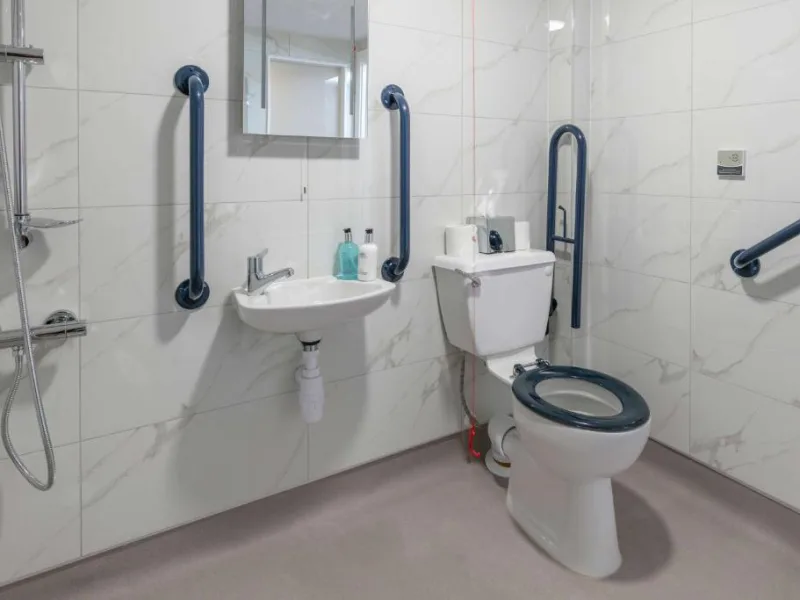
x: 347, y: 258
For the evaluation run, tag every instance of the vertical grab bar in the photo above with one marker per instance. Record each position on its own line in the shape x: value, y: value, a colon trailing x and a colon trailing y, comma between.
x: 394, y: 268
x: 194, y: 292
x: 580, y: 211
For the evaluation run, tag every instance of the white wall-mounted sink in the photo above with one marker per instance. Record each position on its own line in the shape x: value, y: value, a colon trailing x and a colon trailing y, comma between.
x: 306, y: 306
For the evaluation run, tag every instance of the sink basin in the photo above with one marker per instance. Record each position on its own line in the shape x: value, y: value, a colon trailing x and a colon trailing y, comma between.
x: 305, y: 306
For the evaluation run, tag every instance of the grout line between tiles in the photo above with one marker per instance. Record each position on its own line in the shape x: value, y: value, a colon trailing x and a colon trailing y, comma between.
x: 80, y: 289
x: 691, y: 240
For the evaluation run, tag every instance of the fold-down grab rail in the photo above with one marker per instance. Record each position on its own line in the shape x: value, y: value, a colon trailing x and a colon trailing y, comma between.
x: 394, y: 268
x: 194, y: 292
x: 580, y: 211
x: 745, y: 263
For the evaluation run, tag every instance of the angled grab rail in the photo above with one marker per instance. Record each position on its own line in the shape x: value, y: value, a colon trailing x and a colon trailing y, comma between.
x: 394, y: 268
x: 746, y: 263
x: 580, y: 212
x: 194, y: 292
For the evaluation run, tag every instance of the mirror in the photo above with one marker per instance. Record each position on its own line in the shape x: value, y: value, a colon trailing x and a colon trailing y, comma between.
x: 305, y: 68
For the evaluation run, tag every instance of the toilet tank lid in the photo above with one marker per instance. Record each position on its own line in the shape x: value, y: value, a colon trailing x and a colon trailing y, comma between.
x: 484, y: 263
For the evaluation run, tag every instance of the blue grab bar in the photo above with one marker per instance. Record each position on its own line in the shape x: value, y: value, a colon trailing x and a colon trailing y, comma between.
x: 394, y: 268
x: 746, y: 263
x: 580, y: 213
x: 193, y: 82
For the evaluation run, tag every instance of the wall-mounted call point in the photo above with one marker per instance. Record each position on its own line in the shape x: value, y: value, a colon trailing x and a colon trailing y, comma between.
x: 730, y: 163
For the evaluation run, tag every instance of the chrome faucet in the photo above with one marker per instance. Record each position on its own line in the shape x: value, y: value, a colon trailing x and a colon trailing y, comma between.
x: 257, y: 280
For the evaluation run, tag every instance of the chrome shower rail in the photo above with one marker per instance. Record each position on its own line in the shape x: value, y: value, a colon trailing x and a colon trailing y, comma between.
x: 394, y: 268
x: 746, y: 263
x: 194, y: 292
x: 19, y: 101
x: 580, y: 211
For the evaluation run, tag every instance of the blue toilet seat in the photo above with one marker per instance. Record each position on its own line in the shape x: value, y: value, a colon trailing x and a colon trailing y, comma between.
x: 634, y: 412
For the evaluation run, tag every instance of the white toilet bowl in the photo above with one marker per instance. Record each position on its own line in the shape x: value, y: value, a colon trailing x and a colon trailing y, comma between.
x: 560, y: 479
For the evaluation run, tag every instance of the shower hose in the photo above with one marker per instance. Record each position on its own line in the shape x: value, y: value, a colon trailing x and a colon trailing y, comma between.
x: 25, y: 352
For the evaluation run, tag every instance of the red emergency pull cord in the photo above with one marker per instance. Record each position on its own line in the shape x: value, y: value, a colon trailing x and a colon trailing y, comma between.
x: 471, y: 443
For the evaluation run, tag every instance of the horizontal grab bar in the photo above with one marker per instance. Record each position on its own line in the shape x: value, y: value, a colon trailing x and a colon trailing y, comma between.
x: 194, y: 292
x: 746, y: 263
x: 394, y: 268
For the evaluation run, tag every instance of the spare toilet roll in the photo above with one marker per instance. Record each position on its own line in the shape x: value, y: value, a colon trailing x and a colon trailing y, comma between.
x: 522, y: 233
x: 461, y: 241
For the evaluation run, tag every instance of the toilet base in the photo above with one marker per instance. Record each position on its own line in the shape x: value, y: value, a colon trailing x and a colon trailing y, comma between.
x: 573, y: 521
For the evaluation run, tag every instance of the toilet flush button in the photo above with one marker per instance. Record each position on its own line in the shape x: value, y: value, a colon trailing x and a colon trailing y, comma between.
x: 548, y: 271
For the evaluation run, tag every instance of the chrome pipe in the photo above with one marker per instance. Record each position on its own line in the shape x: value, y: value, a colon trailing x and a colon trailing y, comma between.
x: 19, y: 103
x: 55, y: 332
x: 18, y: 22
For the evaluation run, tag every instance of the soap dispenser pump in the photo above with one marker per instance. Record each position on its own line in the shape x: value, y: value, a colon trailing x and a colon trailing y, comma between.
x: 347, y: 258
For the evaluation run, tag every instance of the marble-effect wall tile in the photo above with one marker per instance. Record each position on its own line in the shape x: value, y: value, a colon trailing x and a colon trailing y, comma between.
x: 747, y: 436
x: 110, y: 30
x: 647, y: 314
x: 429, y: 70
x: 363, y: 414
x: 617, y: 20
x: 520, y: 23
x: 747, y: 342
x: 645, y: 75
x: 199, y: 361
x: 510, y: 82
x: 40, y: 530
x: 747, y: 57
x: 645, y: 234
x: 156, y: 477
x: 646, y: 155
x: 52, y: 145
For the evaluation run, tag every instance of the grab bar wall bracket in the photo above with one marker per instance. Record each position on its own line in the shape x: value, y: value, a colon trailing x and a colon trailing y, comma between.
x: 748, y: 270
x: 394, y: 268
x: 746, y: 263
x: 194, y: 292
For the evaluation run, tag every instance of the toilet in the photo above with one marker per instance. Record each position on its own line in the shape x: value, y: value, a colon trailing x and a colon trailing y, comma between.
x: 572, y: 429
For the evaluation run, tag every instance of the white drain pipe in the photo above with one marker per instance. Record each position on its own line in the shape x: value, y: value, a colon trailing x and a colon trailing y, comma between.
x: 312, y: 390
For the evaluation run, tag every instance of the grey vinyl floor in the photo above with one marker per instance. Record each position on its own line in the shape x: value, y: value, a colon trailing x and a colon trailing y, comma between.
x: 427, y: 524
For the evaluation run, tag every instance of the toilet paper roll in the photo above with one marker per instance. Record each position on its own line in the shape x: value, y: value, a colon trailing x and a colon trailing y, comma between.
x: 461, y: 241
x: 522, y: 233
